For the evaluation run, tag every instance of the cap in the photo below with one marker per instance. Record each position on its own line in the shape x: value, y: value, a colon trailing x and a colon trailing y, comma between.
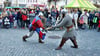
x: 40, y: 14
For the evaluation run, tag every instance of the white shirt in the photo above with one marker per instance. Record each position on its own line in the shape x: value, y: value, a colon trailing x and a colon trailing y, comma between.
x: 75, y: 16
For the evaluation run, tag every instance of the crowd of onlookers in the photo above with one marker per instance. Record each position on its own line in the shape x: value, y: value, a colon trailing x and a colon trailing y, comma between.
x: 86, y: 19
x: 11, y: 18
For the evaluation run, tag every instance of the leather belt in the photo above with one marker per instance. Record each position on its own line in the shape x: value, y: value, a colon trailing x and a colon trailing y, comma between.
x: 69, y: 28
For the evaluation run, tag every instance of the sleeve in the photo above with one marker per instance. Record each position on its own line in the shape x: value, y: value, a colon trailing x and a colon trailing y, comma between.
x: 33, y: 21
x: 62, y: 23
x: 40, y: 24
x: 87, y: 14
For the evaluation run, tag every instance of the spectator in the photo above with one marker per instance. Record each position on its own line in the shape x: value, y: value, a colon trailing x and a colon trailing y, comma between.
x: 19, y: 18
x: 24, y: 19
x: 95, y: 20
x: 90, y: 19
x: 84, y: 16
x: 75, y: 18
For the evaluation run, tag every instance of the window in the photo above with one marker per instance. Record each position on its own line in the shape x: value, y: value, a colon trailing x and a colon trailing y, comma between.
x: 21, y: 0
x: 28, y: 1
x: 31, y: 1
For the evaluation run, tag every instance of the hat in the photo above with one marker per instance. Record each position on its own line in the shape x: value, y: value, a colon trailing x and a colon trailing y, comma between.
x: 63, y: 11
x: 41, y: 14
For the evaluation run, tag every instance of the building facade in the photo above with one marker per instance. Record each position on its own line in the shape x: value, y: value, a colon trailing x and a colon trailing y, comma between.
x: 61, y: 3
x: 23, y: 3
x: 95, y: 1
x: 1, y: 3
x: 27, y: 2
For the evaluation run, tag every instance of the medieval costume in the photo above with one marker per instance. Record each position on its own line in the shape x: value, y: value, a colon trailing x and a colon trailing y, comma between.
x: 35, y: 26
x: 69, y: 33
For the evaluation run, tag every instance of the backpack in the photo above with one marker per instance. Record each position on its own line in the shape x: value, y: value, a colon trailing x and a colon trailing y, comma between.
x: 81, y: 21
x: 95, y: 20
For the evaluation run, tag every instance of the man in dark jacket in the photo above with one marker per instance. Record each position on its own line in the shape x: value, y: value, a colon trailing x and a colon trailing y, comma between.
x: 19, y: 18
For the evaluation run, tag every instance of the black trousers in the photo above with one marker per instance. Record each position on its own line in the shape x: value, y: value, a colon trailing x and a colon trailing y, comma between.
x: 25, y: 23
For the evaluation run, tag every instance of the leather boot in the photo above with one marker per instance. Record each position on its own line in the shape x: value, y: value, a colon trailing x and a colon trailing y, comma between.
x: 61, y: 44
x: 24, y: 38
x: 75, y: 44
x: 40, y: 41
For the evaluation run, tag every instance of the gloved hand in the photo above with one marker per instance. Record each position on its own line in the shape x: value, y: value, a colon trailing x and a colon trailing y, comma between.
x: 43, y: 30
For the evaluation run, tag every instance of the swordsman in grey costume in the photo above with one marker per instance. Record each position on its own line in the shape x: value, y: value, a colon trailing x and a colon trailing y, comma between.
x: 69, y: 33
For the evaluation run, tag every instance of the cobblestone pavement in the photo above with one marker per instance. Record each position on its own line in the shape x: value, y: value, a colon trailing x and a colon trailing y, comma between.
x: 11, y: 44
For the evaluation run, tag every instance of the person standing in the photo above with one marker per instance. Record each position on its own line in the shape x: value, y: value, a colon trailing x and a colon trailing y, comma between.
x: 19, y: 18
x: 24, y: 19
x: 95, y: 20
x: 0, y: 21
x: 90, y: 19
x: 75, y: 18
x: 6, y: 21
x: 99, y: 25
x: 84, y: 16
x: 53, y: 15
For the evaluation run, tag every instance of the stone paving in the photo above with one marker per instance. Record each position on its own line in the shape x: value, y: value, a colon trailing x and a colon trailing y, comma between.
x: 11, y: 44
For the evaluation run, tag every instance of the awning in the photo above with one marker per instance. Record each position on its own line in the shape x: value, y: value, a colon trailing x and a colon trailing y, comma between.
x: 14, y: 7
x: 76, y: 4
x: 90, y: 5
x: 80, y: 4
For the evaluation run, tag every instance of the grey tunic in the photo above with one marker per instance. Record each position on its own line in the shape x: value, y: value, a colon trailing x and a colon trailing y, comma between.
x: 66, y: 22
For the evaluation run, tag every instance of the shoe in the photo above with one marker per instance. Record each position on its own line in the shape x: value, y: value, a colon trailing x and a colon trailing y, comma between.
x: 59, y: 48
x: 74, y: 46
x: 23, y: 27
x: 24, y: 38
x: 15, y: 27
x: 41, y: 42
x: 61, y: 44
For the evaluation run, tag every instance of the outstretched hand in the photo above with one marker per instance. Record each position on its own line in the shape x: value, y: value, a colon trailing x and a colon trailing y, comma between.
x: 49, y: 28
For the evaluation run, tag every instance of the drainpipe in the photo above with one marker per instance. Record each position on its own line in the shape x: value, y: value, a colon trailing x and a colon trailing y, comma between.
x: 55, y: 3
x: 66, y: 2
